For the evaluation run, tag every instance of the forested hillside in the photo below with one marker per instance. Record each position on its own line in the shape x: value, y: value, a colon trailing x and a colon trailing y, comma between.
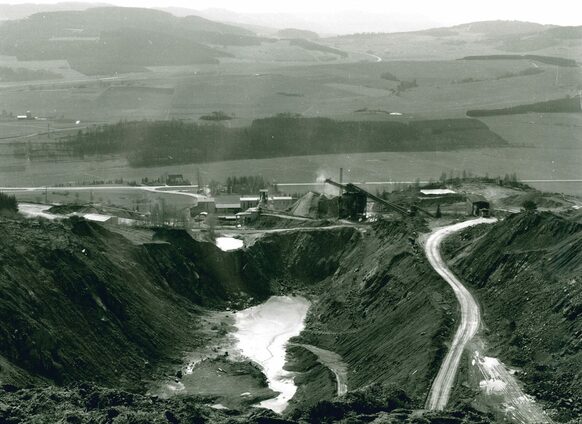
x: 108, y: 40
x: 169, y: 142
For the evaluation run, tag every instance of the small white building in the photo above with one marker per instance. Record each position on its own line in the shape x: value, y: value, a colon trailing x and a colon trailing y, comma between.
x: 437, y: 192
x: 276, y: 202
x: 100, y: 218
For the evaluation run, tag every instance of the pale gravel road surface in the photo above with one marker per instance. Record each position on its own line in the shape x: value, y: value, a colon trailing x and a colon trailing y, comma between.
x: 497, y: 380
x: 470, y: 315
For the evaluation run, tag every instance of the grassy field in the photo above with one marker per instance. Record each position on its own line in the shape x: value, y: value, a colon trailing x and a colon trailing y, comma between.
x: 254, y: 90
x: 539, y: 160
x: 543, y: 147
x: 460, y: 41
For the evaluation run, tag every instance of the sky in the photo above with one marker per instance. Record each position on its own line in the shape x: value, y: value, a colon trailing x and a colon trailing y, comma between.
x: 445, y: 12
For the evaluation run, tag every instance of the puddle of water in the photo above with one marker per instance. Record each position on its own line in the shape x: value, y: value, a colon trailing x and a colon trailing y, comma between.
x: 262, y: 335
x: 228, y: 243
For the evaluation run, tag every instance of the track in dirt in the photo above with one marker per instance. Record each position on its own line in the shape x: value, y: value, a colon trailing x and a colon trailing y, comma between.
x: 519, y: 407
x: 470, y: 315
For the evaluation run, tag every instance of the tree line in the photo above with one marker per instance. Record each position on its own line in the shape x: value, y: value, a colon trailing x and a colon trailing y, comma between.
x: 152, y: 143
x: 8, y: 203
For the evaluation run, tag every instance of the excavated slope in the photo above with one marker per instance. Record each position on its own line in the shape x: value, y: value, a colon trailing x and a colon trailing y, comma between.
x: 527, y: 273
x: 81, y: 303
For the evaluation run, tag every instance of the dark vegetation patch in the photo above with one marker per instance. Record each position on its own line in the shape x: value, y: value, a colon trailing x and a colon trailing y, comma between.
x: 565, y: 105
x: 153, y: 143
x: 310, y: 45
x: 286, y: 94
x: 24, y: 74
x: 8, y: 203
x: 404, y: 86
x: 389, y: 76
x: 550, y: 60
x: 216, y: 116
x: 530, y: 262
x: 523, y: 73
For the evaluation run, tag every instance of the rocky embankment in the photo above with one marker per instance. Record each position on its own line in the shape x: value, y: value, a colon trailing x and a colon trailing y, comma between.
x: 88, y: 316
x: 527, y: 273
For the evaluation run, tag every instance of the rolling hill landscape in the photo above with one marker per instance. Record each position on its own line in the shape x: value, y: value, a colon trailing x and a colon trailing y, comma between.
x: 111, y: 64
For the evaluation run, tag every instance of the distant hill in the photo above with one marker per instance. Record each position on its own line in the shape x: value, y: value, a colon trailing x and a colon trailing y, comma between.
x: 550, y: 60
x: 565, y: 105
x: 108, y: 40
x: 21, y: 11
x: 297, y: 33
x: 471, y: 39
x: 502, y: 28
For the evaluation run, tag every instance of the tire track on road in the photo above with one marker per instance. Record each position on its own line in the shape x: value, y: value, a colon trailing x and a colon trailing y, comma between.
x: 470, y: 315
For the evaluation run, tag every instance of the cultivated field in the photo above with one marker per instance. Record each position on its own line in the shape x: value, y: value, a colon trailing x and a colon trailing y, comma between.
x: 276, y: 78
x: 534, y: 156
x: 249, y: 91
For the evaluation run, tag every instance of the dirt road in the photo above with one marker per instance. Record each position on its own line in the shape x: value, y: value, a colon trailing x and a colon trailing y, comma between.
x: 496, y: 380
x: 470, y: 315
x: 334, y: 363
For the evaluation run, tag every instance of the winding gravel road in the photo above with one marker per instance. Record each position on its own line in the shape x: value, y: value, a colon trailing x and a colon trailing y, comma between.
x: 470, y: 315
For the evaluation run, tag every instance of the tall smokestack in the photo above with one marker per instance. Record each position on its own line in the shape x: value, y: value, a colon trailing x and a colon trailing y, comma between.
x: 341, y: 181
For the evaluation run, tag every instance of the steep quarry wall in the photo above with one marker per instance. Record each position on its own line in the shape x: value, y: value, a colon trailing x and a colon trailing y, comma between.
x: 526, y: 272
x: 385, y: 312
x: 81, y: 303
x: 84, y: 303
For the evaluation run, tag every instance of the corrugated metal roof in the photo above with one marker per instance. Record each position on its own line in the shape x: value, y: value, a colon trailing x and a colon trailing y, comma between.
x: 97, y: 217
x: 437, y: 191
x: 227, y: 205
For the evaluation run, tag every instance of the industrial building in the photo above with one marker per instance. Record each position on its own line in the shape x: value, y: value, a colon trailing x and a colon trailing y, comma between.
x: 477, y: 205
x: 101, y: 218
x: 276, y: 202
x: 207, y: 205
x: 227, y: 207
